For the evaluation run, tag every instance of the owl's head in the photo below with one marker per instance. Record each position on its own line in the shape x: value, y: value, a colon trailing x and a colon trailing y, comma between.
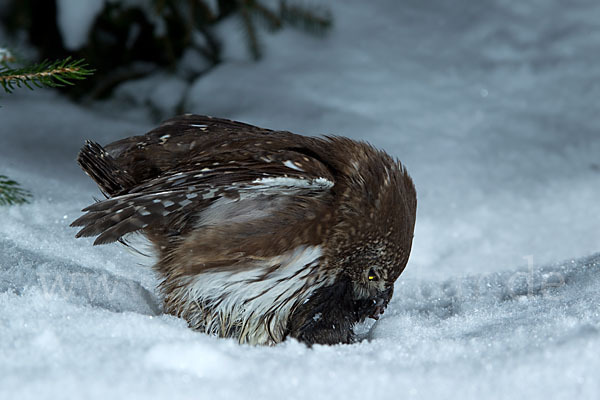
x: 362, y: 289
x: 371, y: 240
x: 366, y: 246
x: 371, y: 270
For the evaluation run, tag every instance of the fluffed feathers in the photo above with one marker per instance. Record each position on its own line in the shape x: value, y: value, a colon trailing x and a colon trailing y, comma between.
x: 260, y: 234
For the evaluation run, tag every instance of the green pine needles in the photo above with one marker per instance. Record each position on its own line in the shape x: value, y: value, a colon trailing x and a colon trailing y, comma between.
x: 11, y: 192
x: 47, y: 73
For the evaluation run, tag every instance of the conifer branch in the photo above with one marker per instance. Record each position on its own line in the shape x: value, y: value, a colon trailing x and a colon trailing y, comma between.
x: 269, y: 18
x: 251, y: 32
x: 314, y: 21
x: 11, y: 192
x: 47, y: 73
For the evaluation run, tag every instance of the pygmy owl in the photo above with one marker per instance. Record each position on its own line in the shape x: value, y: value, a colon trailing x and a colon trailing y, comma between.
x: 260, y: 235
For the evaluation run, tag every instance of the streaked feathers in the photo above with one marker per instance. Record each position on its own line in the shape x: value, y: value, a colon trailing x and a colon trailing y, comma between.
x: 257, y: 231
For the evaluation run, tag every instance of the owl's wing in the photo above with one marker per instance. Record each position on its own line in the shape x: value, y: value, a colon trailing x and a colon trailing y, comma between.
x: 250, y: 185
x: 181, y: 140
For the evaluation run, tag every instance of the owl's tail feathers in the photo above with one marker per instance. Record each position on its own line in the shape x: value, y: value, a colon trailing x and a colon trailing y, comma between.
x: 103, y: 169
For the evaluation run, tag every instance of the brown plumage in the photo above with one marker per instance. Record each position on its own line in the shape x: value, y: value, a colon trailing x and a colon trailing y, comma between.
x: 260, y: 234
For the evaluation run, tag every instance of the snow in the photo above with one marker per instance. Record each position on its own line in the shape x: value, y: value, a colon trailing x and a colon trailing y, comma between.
x: 492, y: 106
x: 5, y: 55
x: 75, y: 19
x: 160, y: 92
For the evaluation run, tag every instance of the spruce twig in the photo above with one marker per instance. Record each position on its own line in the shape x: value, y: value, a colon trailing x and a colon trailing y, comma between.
x: 251, y: 32
x: 47, y: 73
x: 270, y: 20
x: 11, y: 192
x: 314, y: 21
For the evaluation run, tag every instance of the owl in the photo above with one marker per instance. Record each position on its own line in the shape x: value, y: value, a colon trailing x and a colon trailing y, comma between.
x: 260, y: 235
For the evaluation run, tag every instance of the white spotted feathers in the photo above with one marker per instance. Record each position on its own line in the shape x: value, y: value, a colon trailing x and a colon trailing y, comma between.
x: 260, y: 234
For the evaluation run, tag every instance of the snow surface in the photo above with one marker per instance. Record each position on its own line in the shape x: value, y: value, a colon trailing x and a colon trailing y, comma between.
x: 493, y: 107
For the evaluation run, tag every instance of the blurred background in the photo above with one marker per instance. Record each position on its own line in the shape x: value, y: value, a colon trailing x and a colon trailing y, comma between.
x: 149, y: 41
x: 493, y: 106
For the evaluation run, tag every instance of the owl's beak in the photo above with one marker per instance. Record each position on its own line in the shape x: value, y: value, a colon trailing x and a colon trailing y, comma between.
x: 379, y: 309
x: 381, y: 302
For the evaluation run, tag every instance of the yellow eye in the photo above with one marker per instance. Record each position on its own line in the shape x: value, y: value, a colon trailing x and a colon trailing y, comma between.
x: 372, y: 275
